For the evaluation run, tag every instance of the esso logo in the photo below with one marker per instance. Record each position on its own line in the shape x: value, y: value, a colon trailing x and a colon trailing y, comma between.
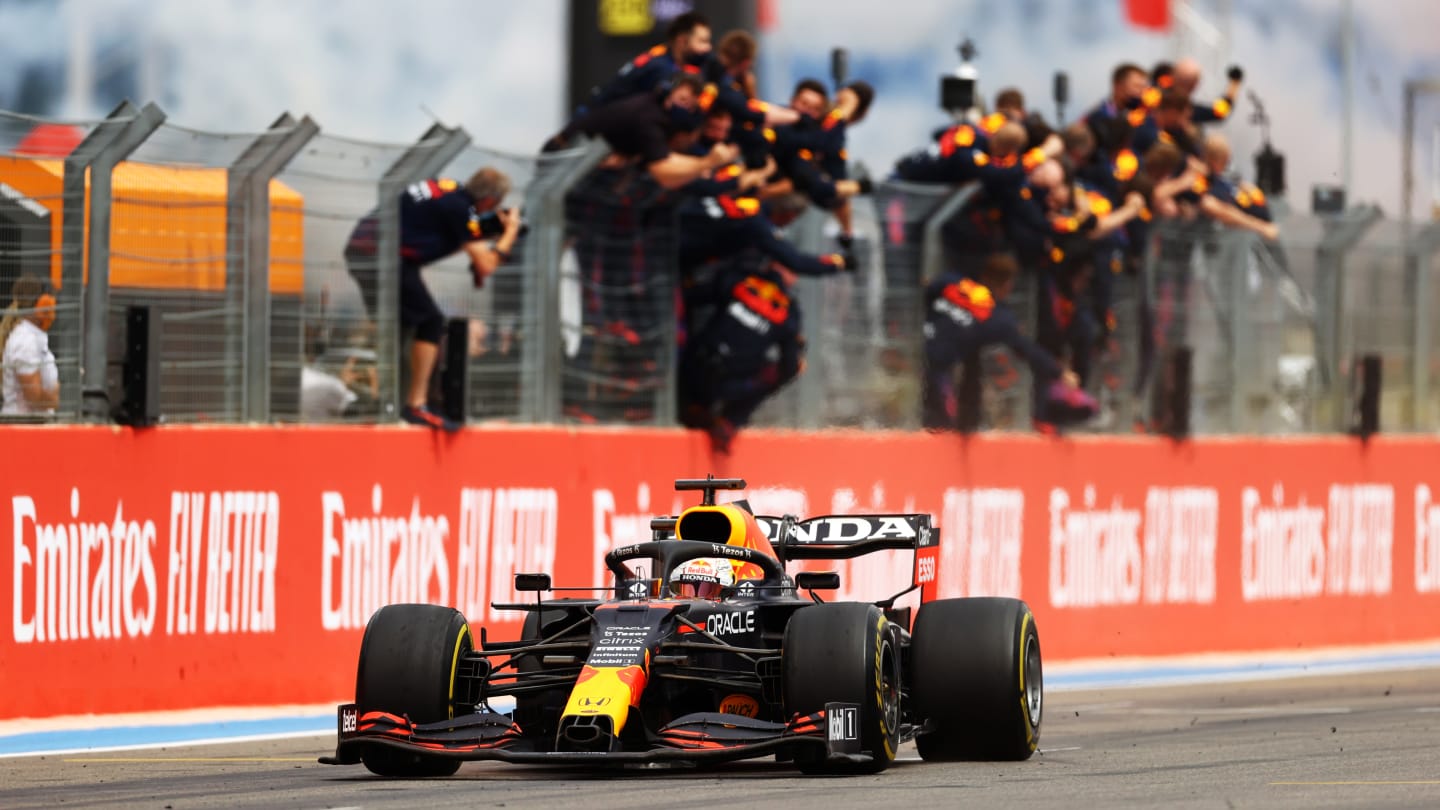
x: 925, y: 572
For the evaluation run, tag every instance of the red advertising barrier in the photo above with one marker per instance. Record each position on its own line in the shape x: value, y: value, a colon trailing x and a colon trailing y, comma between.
x: 190, y: 567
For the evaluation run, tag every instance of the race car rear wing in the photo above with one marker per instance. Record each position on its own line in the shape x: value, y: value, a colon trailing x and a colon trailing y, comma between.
x: 830, y: 537
x: 840, y: 537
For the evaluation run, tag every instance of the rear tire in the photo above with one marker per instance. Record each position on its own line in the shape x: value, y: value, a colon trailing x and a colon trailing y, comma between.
x: 977, y: 679
x: 407, y: 667
x: 847, y: 653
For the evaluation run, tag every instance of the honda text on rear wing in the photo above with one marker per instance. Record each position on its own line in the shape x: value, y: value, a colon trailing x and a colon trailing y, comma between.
x: 828, y: 537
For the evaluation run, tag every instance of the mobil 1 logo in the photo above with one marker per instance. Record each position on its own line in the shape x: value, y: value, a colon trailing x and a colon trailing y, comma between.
x: 842, y: 728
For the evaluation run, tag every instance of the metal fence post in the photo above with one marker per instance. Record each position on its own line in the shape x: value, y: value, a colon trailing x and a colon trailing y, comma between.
x: 541, y: 353
x: 540, y: 259
x: 1340, y: 238
x: 1414, y: 89
x: 235, y: 242
x: 247, y: 261
x: 1419, y: 264
x: 435, y: 149
x: 111, y: 142
x: 67, y: 333
x: 932, y: 249
x: 808, y: 235
x: 666, y: 411
x: 1141, y: 410
x: 1235, y: 319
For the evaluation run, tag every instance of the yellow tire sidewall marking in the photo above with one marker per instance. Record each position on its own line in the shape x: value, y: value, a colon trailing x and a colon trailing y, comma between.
x: 454, y: 666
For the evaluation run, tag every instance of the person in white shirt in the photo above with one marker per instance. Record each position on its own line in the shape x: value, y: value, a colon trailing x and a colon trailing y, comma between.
x: 323, y: 396
x: 31, y: 382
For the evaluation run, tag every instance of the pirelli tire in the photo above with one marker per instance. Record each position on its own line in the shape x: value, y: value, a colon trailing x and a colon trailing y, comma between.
x: 407, y: 667
x: 977, y: 680
x: 850, y: 653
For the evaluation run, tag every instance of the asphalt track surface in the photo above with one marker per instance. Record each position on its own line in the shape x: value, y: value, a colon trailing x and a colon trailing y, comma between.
x: 1369, y: 740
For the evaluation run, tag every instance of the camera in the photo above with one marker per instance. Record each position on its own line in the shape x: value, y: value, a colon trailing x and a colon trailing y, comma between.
x: 1061, y: 93
x: 958, y: 91
x: 1270, y: 164
x: 491, y: 226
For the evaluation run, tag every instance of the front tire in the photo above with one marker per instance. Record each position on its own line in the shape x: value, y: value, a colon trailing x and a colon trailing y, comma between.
x: 407, y: 667
x: 846, y: 653
x: 977, y: 679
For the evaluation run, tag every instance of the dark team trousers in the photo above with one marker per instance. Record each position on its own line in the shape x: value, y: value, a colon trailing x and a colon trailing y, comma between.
x: 707, y: 381
x: 418, y: 309
x: 1078, y: 336
x: 951, y: 392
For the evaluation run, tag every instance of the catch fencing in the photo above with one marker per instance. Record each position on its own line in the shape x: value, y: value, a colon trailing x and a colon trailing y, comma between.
x: 240, y: 245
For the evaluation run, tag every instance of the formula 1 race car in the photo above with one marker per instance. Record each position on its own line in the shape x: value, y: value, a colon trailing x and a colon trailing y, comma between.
x: 706, y: 652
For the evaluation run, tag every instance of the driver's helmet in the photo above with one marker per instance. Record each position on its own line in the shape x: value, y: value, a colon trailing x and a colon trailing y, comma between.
x: 703, y: 578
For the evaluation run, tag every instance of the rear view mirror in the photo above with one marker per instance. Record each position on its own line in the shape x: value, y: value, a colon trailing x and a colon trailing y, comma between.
x: 817, y: 580
x: 532, y: 582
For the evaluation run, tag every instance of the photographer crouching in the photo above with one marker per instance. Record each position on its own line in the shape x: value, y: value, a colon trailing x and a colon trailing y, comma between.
x: 437, y: 218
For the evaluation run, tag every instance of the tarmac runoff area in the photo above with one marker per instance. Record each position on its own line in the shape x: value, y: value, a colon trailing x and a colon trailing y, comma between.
x: 1344, y: 728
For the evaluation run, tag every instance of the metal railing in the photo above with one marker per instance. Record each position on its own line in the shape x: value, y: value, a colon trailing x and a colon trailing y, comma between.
x: 238, y: 243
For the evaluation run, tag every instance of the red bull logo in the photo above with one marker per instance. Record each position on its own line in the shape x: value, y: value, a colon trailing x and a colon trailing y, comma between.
x: 971, y: 297
x: 763, y: 297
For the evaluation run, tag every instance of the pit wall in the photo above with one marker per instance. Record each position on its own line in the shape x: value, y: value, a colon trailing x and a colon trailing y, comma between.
x: 191, y: 567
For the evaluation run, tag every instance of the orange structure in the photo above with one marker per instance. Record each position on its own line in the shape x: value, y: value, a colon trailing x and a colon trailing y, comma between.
x: 167, y: 224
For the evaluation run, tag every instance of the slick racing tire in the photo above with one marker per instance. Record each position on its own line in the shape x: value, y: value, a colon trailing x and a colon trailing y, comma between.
x: 407, y: 667
x: 977, y: 679
x: 847, y: 653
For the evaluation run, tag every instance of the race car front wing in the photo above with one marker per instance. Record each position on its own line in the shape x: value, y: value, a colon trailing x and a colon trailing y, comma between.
x: 703, y: 737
